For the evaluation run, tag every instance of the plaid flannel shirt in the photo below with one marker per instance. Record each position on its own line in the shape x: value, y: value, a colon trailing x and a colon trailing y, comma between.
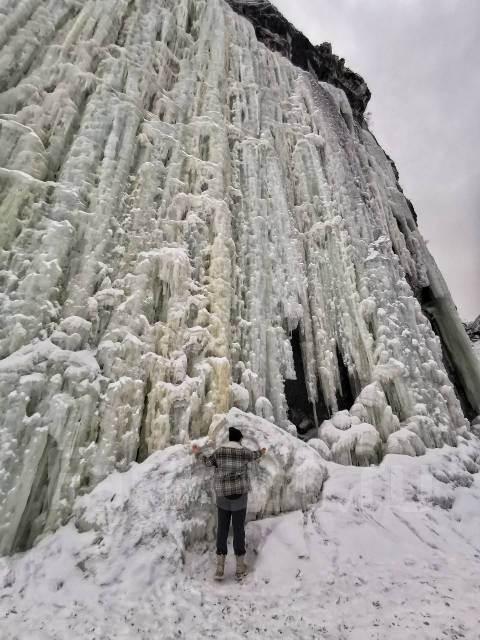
x: 231, y: 469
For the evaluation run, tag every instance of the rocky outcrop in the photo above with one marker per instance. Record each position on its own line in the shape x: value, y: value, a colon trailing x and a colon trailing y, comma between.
x: 473, y: 329
x: 276, y: 32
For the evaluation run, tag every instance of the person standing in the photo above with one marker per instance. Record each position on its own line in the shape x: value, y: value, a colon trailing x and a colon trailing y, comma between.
x: 232, y: 484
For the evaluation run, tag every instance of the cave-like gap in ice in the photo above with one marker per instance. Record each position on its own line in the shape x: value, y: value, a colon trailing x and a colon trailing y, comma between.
x: 345, y: 392
x: 303, y: 413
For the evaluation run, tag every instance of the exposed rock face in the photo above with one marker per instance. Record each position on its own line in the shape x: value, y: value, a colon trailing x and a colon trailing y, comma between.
x: 473, y: 329
x: 278, y: 34
x: 190, y: 223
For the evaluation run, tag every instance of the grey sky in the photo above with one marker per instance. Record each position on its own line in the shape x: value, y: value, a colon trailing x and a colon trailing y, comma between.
x: 421, y: 60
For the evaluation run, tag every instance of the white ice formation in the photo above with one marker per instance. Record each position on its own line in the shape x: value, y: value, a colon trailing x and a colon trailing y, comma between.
x: 190, y: 223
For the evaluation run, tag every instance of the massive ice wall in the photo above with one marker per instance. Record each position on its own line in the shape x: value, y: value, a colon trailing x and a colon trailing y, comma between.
x: 189, y: 222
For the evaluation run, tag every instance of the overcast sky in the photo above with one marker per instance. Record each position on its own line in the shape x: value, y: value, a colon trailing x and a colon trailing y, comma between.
x: 421, y: 61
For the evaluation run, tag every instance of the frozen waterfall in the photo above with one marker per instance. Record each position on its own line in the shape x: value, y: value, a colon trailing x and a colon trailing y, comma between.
x: 191, y: 223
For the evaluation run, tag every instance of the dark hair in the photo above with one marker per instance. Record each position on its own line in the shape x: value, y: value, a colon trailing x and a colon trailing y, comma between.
x: 234, y: 435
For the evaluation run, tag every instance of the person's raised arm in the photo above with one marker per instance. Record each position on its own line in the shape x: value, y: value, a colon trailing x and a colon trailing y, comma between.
x: 254, y: 455
x: 208, y: 461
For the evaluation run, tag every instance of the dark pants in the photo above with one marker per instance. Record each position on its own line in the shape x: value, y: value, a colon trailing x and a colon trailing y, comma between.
x: 238, y: 522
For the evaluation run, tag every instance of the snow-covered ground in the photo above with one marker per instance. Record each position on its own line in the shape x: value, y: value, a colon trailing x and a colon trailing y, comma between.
x: 389, y: 552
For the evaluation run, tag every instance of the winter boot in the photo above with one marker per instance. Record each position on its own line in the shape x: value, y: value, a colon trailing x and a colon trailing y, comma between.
x: 242, y: 569
x: 220, y: 568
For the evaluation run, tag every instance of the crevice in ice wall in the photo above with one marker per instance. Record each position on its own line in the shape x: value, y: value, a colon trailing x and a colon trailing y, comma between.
x: 142, y: 452
x: 303, y: 413
x: 34, y: 515
x: 345, y: 394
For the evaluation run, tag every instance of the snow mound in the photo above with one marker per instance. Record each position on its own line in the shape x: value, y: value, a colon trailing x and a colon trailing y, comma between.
x: 170, y: 496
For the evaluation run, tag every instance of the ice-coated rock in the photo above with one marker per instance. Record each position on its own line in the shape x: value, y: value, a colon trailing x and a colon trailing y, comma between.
x: 321, y: 448
x: 170, y: 496
x: 360, y: 445
x: 342, y: 420
x: 405, y: 442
